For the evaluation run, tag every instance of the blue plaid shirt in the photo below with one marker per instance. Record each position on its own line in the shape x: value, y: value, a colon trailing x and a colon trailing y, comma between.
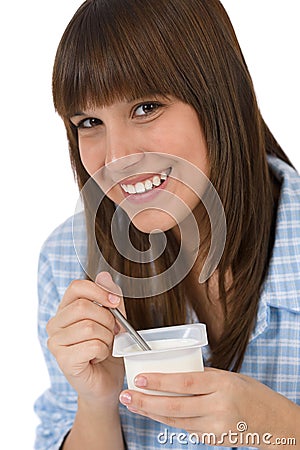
x: 272, y: 356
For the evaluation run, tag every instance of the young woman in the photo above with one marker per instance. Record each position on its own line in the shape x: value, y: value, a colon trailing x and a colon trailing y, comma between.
x: 158, y: 106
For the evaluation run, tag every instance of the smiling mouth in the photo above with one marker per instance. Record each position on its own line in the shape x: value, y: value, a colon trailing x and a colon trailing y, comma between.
x: 146, y: 185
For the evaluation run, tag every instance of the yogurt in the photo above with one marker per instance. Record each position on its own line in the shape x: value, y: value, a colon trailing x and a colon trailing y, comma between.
x: 163, y: 344
x: 178, y: 349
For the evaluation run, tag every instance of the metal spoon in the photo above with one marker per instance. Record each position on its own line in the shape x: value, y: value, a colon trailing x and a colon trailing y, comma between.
x: 124, y: 322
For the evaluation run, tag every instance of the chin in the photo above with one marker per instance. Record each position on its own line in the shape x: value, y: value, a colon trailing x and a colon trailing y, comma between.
x: 154, y: 222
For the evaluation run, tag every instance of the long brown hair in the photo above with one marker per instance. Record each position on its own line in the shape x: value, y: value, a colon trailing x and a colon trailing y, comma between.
x: 116, y: 49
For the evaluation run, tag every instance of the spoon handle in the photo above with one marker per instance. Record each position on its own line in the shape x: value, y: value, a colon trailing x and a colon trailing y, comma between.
x: 124, y: 322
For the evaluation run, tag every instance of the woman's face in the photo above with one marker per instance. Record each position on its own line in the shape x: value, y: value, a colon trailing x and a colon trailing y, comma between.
x: 148, y: 156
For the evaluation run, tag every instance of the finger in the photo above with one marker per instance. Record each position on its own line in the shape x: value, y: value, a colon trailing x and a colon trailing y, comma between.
x: 192, y: 424
x: 91, y: 291
x: 81, y: 309
x: 105, y: 281
x: 82, y: 331
x: 75, y: 358
x: 189, y: 383
x: 168, y: 406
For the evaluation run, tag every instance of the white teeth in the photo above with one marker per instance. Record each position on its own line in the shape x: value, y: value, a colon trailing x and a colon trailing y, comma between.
x: 131, y: 189
x: 156, y: 180
x: 147, y: 185
x: 140, y: 188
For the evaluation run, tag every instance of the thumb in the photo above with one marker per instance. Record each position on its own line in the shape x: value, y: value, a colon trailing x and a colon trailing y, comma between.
x: 105, y: 281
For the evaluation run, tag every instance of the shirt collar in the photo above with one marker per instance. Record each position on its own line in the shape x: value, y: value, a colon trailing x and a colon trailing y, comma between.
x: 281, y: 288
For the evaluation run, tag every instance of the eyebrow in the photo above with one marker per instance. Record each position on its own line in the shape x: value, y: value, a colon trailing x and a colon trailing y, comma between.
x: 78, y: 113
x: 128, y: 100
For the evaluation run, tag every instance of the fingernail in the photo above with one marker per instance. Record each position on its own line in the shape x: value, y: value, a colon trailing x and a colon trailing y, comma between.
x: 103, y: 277
x: 125, y: 398
x: 114, y: 300
x: 140, y: 381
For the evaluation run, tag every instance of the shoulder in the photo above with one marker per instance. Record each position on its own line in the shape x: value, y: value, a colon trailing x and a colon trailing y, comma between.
x: 61, y: 234
x: 61, y: 257
x: 65, y: 241
x: 288, y: 176
x: 282, y: 286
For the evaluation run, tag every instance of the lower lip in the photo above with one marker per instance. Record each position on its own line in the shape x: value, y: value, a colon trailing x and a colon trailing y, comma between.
x: 146, y: 196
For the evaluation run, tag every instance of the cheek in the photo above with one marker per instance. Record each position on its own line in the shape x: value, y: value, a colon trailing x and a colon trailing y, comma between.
x: 196, y: 149
x: 187, y: 141
x: 91, y: 158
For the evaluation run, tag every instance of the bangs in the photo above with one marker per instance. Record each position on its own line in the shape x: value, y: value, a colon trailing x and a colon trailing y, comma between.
x: 109, y: 52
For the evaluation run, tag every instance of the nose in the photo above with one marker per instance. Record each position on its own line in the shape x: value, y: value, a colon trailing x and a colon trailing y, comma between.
x: 122, y: 150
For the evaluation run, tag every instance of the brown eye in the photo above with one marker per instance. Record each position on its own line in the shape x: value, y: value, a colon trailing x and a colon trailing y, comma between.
x: 89, y: 123
x: 146, y: 108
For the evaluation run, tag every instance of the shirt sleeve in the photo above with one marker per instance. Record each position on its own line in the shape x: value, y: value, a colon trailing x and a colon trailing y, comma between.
x: 56, y: 407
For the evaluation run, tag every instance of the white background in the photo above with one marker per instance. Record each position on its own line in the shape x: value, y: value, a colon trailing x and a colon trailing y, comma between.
x: 37, y: 187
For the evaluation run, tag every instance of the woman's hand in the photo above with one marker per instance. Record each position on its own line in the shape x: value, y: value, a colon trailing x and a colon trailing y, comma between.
x: 81, y: 336
x: 217, y: 402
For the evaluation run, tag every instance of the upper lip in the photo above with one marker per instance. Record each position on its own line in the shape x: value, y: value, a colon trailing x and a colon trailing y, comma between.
x: 144, y: 177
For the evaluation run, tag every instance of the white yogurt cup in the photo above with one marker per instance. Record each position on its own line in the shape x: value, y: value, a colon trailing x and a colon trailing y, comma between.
x: 174, y: 349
